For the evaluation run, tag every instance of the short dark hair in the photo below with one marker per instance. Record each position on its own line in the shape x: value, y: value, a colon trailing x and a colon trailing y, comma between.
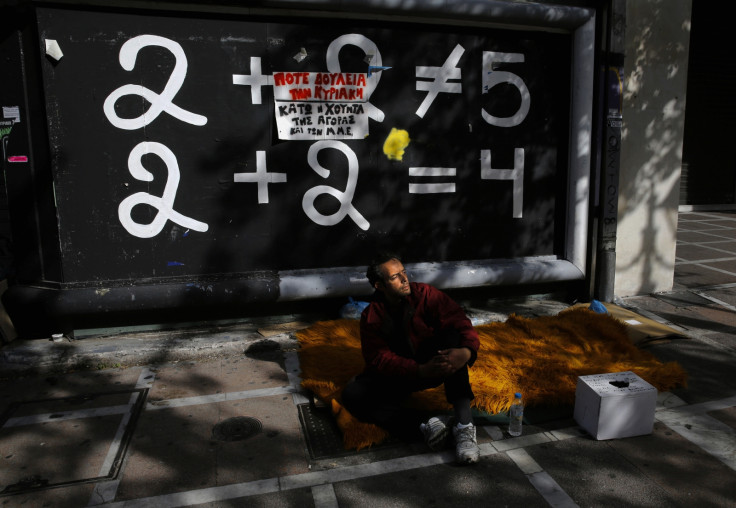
x: 374, y: 273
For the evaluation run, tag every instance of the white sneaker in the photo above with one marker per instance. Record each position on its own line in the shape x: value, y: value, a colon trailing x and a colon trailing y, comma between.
x: 466, y: 446
x: 436, y: 432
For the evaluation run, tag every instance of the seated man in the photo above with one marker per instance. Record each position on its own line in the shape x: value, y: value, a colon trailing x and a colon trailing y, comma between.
x: 414, y: 337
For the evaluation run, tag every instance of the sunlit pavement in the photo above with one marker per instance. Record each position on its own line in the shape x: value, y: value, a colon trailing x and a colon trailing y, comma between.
x: 213, y: 419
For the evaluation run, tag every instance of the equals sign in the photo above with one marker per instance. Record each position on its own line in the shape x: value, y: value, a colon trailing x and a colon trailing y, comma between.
x: 431, y: 188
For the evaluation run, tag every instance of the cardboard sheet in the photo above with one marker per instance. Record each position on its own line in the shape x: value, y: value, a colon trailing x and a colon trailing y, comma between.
x: 642, y: 330
x: 278, y: 329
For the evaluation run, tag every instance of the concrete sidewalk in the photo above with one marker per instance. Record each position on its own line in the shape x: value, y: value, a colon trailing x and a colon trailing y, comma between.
x: 216, y: 418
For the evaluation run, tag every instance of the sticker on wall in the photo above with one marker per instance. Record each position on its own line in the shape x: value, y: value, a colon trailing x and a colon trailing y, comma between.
x: 376, y: 68
x: 11, y: 113
x: 5, y: 127
x: 299, y: 57
x: 53, y: 49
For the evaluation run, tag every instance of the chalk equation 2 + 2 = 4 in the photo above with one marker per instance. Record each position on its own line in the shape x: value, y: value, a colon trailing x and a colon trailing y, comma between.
x: 323, y: 107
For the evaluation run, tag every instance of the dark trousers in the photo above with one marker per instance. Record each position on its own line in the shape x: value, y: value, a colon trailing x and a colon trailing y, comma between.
x: 379, y: 399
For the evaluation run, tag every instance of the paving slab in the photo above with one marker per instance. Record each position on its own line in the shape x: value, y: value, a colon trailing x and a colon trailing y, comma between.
x: 727, y: 416
x: 592, y: 473
x: 695, y: 235
x: 57, y: 453
x: 71, y: 497
x: 226, y: 375
x: 715, y: 224
x: 719, y: 232
x: 689, y: 475
x: 727, y: 268
x: 721, y: 296
x: 683, y: 299
x: 693, y: 275
x: 174, y: 449
x: 689, y: 253
x: 494, y: 480
x: 709, y: 368
x: 291, y: 498
x: 699, y: 321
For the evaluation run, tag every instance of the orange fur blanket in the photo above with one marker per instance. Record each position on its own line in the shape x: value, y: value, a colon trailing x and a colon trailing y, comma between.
x: 540, y: 357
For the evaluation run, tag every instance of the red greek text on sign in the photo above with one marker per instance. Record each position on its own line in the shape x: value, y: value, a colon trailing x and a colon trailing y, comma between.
x: 320, y: 86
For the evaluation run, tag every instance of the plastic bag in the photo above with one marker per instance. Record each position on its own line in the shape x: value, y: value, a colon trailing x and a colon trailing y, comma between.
x: 353, y: 309
x: 598, y: 307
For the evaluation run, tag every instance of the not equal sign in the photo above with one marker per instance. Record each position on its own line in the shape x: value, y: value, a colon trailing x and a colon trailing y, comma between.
x: 431, y: 188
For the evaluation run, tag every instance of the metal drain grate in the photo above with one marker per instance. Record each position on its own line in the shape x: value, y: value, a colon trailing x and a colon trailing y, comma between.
x: 324, y: 439
x: 237, y: 428
x: 323, y: 436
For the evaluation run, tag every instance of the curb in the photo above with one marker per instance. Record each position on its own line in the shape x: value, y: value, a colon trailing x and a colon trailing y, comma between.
x: 33, y: 357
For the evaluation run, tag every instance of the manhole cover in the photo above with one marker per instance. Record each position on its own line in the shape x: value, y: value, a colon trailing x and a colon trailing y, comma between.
x: 236, y: 429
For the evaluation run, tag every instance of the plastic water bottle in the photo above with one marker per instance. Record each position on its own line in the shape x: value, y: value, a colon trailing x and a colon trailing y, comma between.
x: 516, y: 415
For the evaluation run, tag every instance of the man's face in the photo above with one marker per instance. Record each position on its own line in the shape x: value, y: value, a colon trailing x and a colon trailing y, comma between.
x: 395, y: 283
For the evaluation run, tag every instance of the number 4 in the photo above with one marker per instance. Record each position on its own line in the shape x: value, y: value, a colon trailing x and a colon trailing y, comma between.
x: 516, y: 175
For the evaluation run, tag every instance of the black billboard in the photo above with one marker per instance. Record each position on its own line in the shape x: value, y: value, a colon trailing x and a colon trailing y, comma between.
x: 195, y: 146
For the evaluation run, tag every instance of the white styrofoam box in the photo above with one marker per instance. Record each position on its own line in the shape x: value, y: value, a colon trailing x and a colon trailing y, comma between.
x: 615, y: 405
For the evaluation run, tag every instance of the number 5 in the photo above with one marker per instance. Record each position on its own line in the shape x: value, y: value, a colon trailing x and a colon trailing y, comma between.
x: 492, y: 78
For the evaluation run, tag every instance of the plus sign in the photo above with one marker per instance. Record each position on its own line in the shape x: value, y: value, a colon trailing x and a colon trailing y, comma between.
x: 262, y: 177
x: 255, y: 79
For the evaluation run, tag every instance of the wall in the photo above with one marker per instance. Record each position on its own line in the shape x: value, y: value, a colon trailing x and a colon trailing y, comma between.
x: 657, y: 43
x: 708, y: 178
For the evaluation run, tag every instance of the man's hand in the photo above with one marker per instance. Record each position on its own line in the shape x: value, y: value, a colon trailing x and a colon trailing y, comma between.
x: 444, y: 363
x: 457, y: 357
